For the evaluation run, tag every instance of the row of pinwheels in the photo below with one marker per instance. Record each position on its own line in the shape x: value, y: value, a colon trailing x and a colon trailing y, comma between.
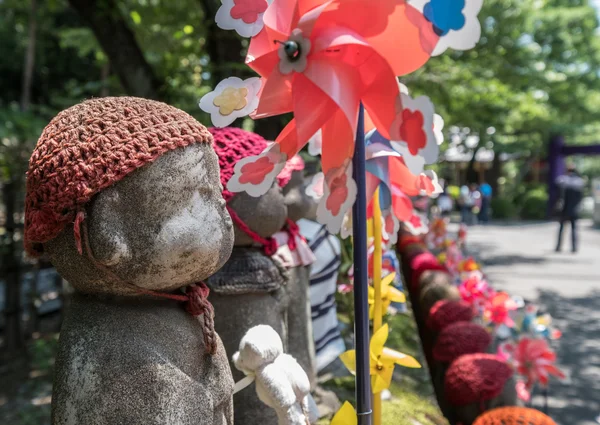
x: 520, y: 330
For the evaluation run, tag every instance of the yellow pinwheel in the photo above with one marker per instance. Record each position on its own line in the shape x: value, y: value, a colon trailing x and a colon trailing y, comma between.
x: 345, y: 416
x: 389, y: 294
x: 383, y: 361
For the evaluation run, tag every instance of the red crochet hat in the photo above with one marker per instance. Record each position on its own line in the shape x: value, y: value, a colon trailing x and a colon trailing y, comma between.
x: 446, y: 312
x: 513, y: 415
x: 458, y: 339
x: 90, y: 147
x: 475, y: 378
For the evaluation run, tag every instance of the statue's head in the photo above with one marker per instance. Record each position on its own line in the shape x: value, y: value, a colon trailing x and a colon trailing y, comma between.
x: 127, y: 190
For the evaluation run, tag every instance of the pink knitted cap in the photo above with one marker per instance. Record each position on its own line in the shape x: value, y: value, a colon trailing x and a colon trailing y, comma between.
x: 231, y: 145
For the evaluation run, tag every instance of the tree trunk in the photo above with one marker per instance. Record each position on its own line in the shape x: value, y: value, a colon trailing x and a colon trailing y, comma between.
x: 29, y: 58
x: 11, y: 273
x: 119, y: 44
x: 105, y: 75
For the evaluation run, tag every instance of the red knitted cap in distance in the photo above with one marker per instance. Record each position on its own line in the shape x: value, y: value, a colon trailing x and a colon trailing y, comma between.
x: 91, y: 146
x: 458, y: 339
x: 474, y: 378
x: 512, y: 415
x: 445, y: 312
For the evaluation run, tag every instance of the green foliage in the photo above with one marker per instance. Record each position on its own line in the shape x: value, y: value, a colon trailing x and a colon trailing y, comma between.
x: 534, y: 204
x: 502, y: 208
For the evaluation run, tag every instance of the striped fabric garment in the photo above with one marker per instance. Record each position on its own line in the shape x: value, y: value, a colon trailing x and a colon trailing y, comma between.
x: 323, y: 286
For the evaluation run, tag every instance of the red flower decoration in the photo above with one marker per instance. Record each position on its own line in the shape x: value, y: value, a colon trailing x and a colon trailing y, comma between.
x: 499, y: 308
x: 535, y: 360
x: 411, y: 130
x: 416, y: 221
x: 338, y: 194
x: 248, y: 10
x: 255, y: 172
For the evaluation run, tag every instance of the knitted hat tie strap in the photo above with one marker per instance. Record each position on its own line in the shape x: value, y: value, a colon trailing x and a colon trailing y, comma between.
x: 269, y: 245
x: 195, y: 297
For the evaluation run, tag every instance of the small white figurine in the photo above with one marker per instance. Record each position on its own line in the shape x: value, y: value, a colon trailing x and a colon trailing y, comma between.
x: 280, y: 381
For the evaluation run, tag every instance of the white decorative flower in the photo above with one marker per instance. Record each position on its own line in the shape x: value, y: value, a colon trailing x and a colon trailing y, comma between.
x: 438, y: 128
x: 429, y: 184
x: 315, y: 143
x: 417, y: 224
x: 390, y: 229
x: 315, y: 188
x: 339, y: 193
x: 299, y: 62
x: 414, y: 129
x: 347, y: 228
x: 243, y: 16
x: 455, y: 22
x: 232, y: 98
x: 255, y: 174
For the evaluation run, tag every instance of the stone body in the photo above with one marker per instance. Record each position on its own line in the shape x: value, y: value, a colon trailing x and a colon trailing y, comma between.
x: 300, y: 331
x: 126, y: 358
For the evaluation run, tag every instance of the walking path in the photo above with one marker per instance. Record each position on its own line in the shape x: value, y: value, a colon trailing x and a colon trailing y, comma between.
x: 520, y: 259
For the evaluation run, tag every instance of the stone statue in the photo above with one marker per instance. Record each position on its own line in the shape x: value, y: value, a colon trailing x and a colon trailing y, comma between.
x: 123, y: 195
x: 295, y: 254
x: 250, y: 288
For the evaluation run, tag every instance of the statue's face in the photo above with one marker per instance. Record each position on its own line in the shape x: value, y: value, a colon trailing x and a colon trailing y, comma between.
x: 163, y: 226
x: 264, y: 215
x: 298, y: 202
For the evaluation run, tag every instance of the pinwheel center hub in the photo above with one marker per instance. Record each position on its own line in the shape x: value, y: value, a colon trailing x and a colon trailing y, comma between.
x: 292, y: 50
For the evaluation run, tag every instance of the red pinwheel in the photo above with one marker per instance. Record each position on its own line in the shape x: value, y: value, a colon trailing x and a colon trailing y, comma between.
x: 534, y: 360
x: 319, y: 59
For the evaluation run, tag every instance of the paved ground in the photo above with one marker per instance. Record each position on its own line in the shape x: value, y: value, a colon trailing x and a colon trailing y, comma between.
x: 520, y: 259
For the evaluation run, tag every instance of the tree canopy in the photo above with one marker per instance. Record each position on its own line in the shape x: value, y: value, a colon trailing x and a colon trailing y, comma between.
x: 534, y: 72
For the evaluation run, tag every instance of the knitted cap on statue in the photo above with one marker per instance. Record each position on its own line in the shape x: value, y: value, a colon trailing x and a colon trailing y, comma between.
x: 446, y: 312
x: 513, y: 415
x: 475, y: 378
x: 90, y: 147
x: 123, y: 195
x: 458, y: 339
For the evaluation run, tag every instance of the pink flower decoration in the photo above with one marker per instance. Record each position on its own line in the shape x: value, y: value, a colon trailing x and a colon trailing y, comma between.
x: 255, y: 172
x: 534, y: 360
x: 338, y: 194
x: 522, y: 391
x: 498, y: 309
x: 411, y: 130
x: 248, y: 10
x: 474, y: 290
x: 344, y: 288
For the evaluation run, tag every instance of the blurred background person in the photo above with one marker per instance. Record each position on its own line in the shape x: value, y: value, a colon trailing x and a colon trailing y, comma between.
x: 571, y: 185
x: 486, y: 199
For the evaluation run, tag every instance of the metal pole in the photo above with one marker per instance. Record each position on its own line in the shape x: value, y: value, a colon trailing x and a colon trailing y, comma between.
x: 361, y: 283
